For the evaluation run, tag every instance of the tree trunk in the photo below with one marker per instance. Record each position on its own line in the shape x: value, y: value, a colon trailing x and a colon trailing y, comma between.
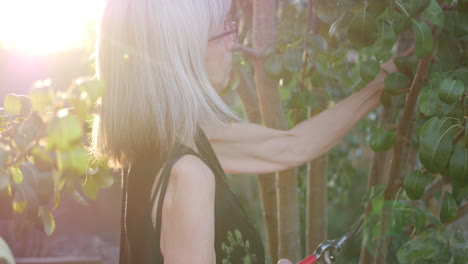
x: 401, y: 148
x: 266, y: 182
x: 317, y: 221
x: 317, y: 198
x: 377, y: 176
x: 272, y: 114
x: 381, y: 160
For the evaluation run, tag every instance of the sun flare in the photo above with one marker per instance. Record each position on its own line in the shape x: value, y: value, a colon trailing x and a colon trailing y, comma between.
x: 45, y: 26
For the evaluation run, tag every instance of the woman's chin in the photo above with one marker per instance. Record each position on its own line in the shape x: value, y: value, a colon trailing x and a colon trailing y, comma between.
x: 221, y: 85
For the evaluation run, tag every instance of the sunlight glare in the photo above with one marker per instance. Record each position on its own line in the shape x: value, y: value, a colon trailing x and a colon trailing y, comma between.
x: 45, y: 26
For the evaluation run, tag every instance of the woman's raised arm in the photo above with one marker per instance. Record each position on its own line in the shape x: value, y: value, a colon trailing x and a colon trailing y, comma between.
x: 251, y: 148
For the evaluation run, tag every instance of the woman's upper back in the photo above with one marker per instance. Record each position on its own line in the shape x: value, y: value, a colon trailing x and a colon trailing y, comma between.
x: 199, y: 219
x: 187, y: 216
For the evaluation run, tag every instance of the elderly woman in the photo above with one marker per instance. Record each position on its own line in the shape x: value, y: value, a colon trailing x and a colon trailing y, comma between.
x: 162, y: 120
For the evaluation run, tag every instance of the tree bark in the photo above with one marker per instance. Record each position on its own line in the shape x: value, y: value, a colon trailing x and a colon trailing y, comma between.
x: 317, y: 198
x: 378, y: 174
x: 317, y: 220
x: 272, y: 114
x: 401, y: 148
x: 266, y: 182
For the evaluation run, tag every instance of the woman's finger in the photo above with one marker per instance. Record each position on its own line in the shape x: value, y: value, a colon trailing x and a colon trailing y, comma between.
x: 284, y: 261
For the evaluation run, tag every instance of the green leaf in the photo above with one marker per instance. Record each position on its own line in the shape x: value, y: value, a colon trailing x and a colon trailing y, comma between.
x: 374, y: 192
x: 75, y: 159
x: 423, y: 38
x: 395, y: 82
x: 60, y: 182
x: 90, y: 187
x: 92, y: 88
x: 418, y: 6
x: 407, y: 64
x: 448, y: 208
x: 369, y: 70
x: 18, y: 177
x: 104, y: 179
x: 47, y: 220
x: 435, y: 143
x: 341, y: 23
x: 17, y: 104
x: 43, y: 160
x: 63, y: 132
x: 41, y: 182
x: 19, y: 206
x: 292, y: 60
x: 459, y: 192
x: 376, y: 7
x: 448, y: 53
x: 315, y: 43
x: 317, y: 79
x: 451, y: 90
x: 458, y: 166
x: 79, y: 198
x: 362, y: 30
x: 427, y: 100
x: 424, y: 250
x: 400, y: 22
x: 385, y: 41
x: 434, y: 14
x: 41, y: 97
x: 12, y: 104
x: 466, y: 134
x: 415, y: 184
x: 382, y: 139
x: 459, y: 248
x: 273, y: 66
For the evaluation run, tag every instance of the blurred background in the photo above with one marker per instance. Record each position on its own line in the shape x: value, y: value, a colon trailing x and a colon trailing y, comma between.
x: 53, y: 40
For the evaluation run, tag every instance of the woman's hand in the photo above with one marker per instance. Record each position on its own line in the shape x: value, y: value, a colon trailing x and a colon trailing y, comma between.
x: 284, y: 261
x: 389, y: 67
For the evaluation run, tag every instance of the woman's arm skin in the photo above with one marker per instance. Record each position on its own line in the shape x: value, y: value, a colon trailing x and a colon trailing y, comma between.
x: 187, y: 231
x: 251, y: 148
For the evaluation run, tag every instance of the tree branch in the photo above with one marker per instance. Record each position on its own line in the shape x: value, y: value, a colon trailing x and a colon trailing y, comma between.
x: 26, y: 151
x: 249, y: 52
x: 462, y: 211
x: 433, y: 187
x: 402, y: 144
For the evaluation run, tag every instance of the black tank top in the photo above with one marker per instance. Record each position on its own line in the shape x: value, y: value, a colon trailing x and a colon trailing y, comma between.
x: 236, y: 239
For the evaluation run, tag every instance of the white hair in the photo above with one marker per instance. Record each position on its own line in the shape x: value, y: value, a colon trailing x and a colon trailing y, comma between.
x: 151, y: 54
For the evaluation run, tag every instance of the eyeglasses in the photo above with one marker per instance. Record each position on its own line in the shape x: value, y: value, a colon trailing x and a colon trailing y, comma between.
x: 231, y: 30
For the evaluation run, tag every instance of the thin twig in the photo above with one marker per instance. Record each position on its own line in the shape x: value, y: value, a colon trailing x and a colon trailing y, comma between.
x: 462, y: 211
x: 459, y: 136
x: 26, y: 151
x: 249, y: 52
x: 463, y: 107
x: 434, y: 186
x: 7, y: 132
x: 446, y: 7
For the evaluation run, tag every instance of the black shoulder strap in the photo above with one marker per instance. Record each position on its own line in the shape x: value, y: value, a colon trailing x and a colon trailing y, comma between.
x: 206, y: 151
x: 207, y: 155
x: 161, y: 187
x: 124, y: 250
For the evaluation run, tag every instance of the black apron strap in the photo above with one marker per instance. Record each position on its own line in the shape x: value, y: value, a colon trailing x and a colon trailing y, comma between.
x: 161, y: 188
x: 124, y: 257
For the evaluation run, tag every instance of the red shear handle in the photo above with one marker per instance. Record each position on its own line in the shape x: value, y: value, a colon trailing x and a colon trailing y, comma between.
x: 309, y: 260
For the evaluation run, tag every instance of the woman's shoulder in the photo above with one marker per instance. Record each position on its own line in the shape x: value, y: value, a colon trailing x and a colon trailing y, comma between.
x: 189, y: 169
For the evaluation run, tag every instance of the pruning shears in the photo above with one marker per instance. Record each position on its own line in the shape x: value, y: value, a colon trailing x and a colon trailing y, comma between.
x: 328, y: 250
